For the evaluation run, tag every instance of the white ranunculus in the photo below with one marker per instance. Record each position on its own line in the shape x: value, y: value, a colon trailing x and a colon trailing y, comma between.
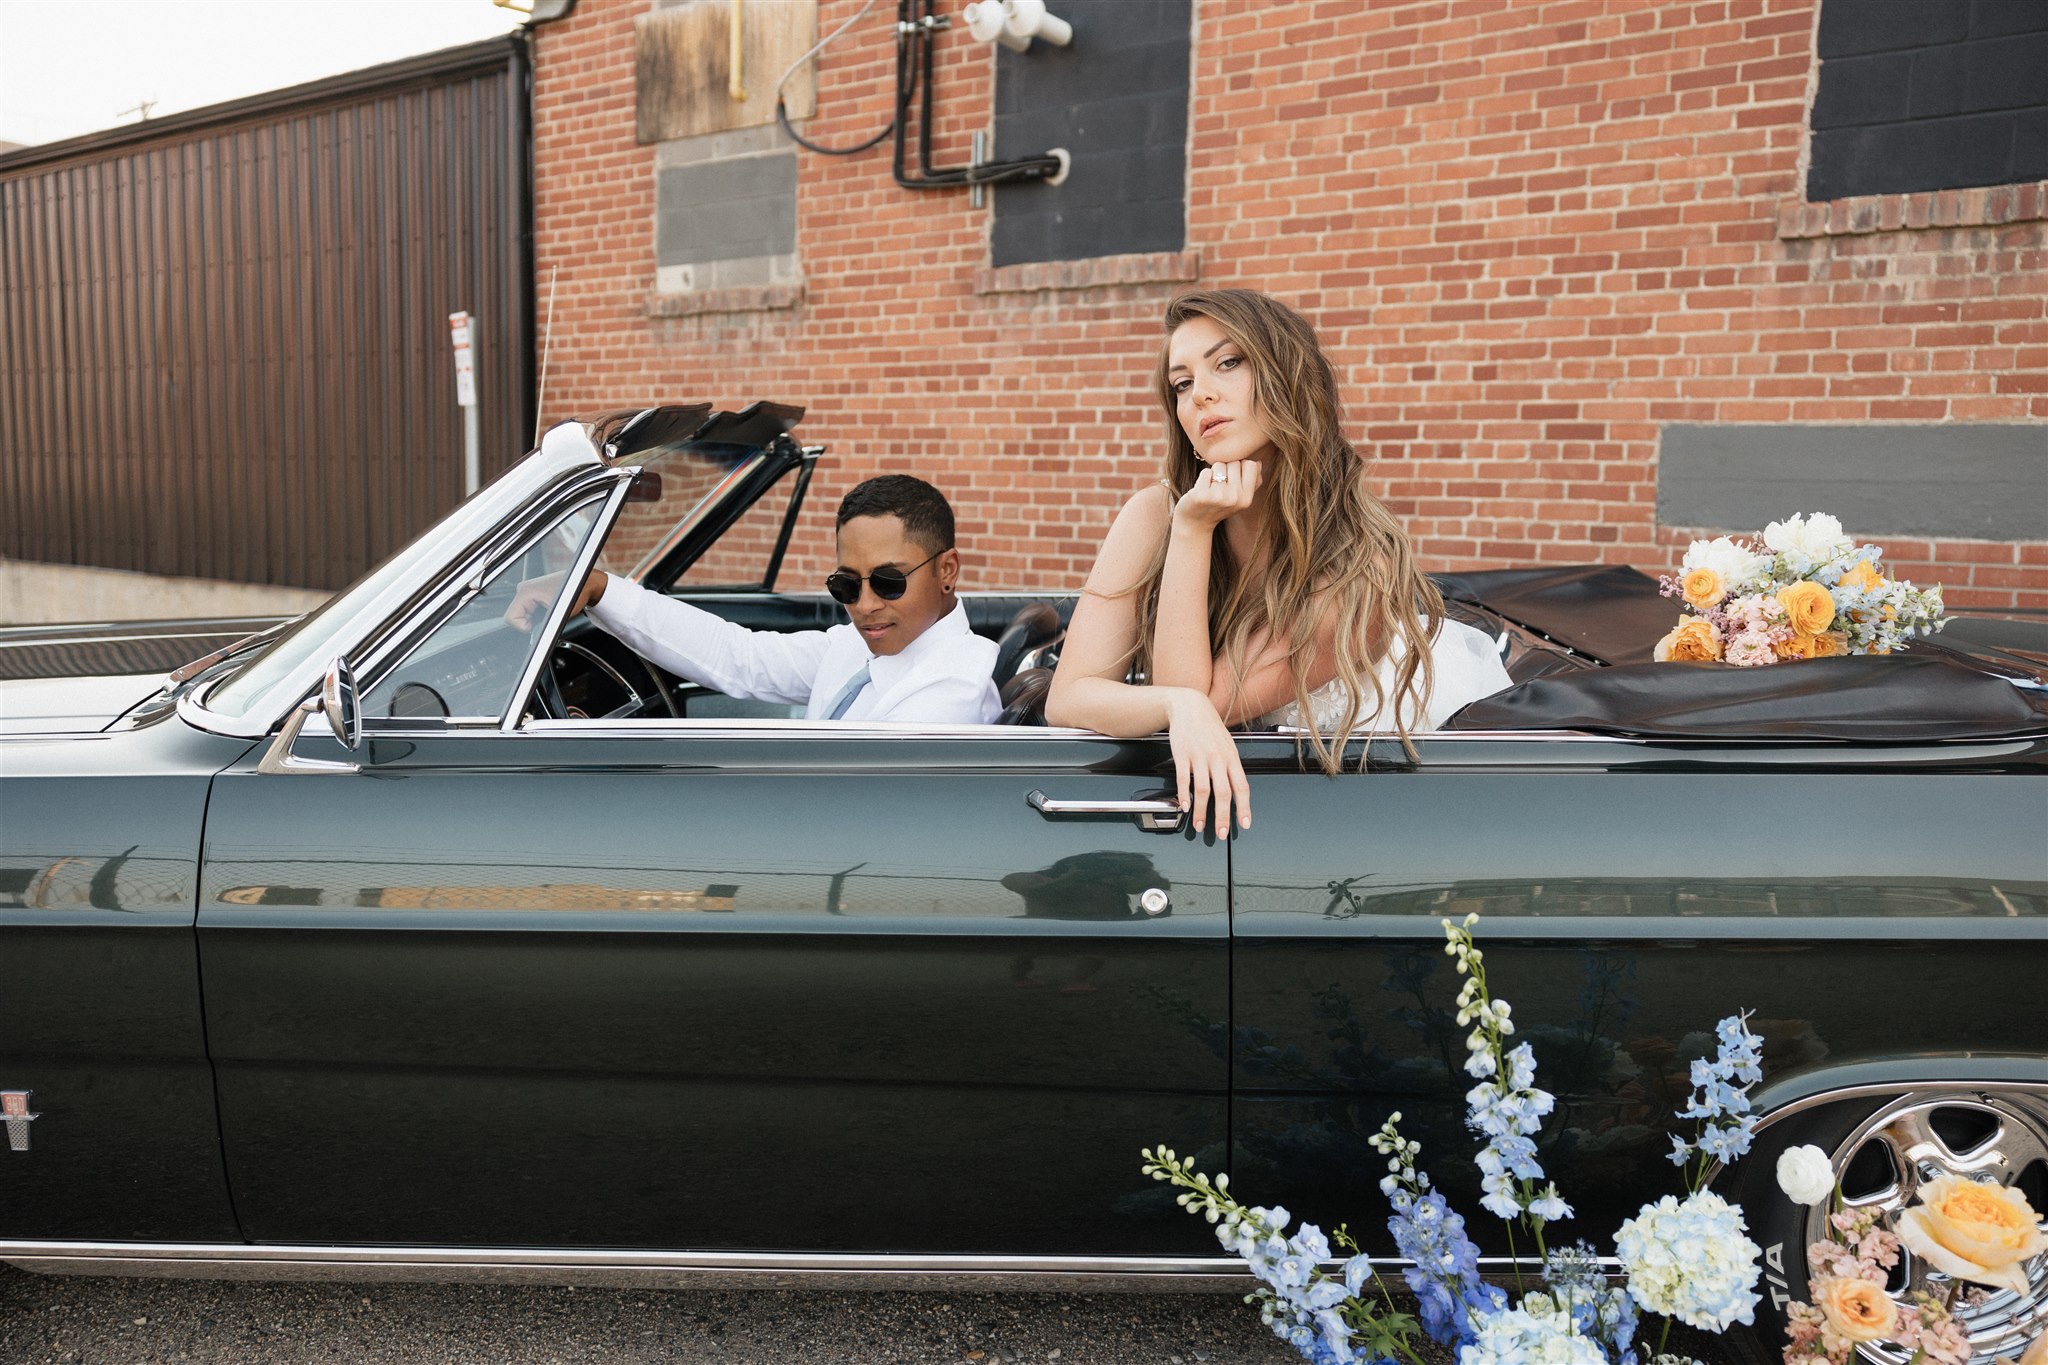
x: 1817, y: 537
x: 1736, y: 565
x: 1805, y: 1174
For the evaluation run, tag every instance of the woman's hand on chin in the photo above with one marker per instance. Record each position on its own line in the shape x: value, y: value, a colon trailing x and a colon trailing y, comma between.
x: 1206, y: 768
x: 1212, y: 500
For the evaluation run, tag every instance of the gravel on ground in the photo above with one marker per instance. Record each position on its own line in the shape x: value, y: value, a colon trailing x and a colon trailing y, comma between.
x: 74, y: 1320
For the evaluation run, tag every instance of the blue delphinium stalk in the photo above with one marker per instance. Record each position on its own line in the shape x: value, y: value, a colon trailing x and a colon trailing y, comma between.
x: 1444, y: 1269
x: 1324, y: 1317
x: 1505, y: 1107
x: 1599, y: 1311
x: 1720, y: 1101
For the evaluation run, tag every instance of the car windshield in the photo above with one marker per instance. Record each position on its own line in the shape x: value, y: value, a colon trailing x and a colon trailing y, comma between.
x: 664, y: 510
x: 332, y: 629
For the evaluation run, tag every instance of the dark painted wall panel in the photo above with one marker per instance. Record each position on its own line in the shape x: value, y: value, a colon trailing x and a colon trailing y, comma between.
x: 719, y: 210
x: 1967, y: 481
x: 1916, y: 96
x: 225, y: 342
x: 1117, y: 99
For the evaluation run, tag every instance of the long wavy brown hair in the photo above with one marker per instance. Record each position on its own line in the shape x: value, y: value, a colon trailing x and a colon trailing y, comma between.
x: 1331, y: 546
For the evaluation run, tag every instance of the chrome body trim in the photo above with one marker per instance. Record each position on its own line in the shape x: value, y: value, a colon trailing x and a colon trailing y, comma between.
x: 725, y: 1269
x: 628, y: 1268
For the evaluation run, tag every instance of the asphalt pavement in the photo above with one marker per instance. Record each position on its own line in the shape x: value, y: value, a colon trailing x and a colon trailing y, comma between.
x: 71, y: 1319
x: 76, y: 1320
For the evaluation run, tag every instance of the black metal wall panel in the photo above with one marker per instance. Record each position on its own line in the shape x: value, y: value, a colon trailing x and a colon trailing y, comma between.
x: 224, y: 335
x: 1916, y: 96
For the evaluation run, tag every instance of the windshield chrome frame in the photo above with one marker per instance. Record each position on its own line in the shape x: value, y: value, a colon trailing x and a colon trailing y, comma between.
x: 391, y: 648
x: 558, y: 614
x: 472, y: 528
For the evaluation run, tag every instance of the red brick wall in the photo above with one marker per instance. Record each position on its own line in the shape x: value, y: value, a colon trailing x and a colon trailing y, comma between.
x: 1529, y: 233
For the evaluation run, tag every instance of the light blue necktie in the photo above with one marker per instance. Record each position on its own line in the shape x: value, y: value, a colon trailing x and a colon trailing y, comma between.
x: 847, y: 693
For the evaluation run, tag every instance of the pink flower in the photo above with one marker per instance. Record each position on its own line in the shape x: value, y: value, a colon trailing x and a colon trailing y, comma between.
x: 1750, y: 649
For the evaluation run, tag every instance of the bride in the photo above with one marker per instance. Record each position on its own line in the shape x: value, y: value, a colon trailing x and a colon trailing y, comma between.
x: 1258, y: 581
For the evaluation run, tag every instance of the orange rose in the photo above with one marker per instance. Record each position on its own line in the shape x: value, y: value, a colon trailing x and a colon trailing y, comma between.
x: 1863, y: 578
x: 1693, y: 641
x: 1856, y: 1310
x: 1974, y: 1231
x: 1798, y: 647
x: 1703, y: 588
x: 1808, y: 606
x: 2035, y: 1354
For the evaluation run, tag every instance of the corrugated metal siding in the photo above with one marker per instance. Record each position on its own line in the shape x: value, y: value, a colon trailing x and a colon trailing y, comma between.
x: 225, y: 336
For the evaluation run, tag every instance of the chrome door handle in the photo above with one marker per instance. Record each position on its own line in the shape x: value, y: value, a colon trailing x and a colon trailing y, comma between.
x: 1155, y: 815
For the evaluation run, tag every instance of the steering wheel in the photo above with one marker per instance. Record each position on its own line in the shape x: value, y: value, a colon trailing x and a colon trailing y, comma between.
x: 551, y: 691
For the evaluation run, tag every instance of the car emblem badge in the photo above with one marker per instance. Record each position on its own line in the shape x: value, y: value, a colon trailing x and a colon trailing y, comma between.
x: 14, y: 1109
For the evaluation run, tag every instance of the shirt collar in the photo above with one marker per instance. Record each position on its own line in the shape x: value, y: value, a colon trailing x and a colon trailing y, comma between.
x: 886, y: 669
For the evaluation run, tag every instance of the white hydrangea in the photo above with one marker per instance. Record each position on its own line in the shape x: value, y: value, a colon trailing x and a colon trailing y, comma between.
x: 1529, y: 1335
x: 1817, y: 538
x: 1737, y: 565
x: 1691, y: 1260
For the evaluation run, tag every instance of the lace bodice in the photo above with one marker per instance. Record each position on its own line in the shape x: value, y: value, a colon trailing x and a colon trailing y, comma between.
x: 1468, y: 667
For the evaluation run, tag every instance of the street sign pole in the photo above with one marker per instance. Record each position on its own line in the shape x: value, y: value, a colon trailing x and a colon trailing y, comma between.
x: 459, y: 332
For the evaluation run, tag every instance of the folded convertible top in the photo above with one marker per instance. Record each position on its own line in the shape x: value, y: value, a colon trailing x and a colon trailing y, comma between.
x: 1898, y: 698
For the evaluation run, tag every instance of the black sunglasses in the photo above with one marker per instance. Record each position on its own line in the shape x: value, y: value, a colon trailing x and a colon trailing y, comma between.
x: 889, y: 584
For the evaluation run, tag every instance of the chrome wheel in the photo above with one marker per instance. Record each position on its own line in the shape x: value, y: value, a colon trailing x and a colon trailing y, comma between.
x: 1919, y: 1137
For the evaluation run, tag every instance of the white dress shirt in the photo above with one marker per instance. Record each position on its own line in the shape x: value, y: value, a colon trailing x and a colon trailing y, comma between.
x: 940, y: 678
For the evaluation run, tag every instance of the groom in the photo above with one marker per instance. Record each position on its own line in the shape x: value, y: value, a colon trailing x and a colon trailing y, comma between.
x: 907, y: 654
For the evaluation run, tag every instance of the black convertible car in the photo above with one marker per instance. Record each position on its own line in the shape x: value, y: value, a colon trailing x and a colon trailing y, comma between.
x: 393, y: 941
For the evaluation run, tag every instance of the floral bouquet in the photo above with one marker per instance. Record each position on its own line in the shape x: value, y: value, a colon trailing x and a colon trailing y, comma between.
x: 1972, y: 1231
x: 1807, y: 592
x: 1687, y: 1259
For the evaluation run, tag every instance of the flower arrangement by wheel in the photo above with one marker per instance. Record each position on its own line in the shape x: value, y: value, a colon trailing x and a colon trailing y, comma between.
x: 1685, y: 1260
x: 1934, y: 1165
x: 1910, y: 1238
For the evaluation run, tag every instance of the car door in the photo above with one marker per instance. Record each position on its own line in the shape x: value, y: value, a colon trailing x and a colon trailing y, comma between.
x: 1630, y: 895
x: 696, y: 984
x: 107, y: 1127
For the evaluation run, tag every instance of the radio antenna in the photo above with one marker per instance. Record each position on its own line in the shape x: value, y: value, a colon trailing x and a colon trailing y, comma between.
x: 547, y: 341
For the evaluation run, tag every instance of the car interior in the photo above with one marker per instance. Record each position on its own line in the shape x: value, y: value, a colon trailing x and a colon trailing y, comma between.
x: 711, y: 515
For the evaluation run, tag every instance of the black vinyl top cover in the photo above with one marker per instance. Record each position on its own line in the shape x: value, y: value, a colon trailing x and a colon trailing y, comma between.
x: 1896, y: 698
x: 1609, y: 612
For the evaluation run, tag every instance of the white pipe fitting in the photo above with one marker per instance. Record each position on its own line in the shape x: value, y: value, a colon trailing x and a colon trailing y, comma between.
x: 1030, y: 19
x: 988, y: 21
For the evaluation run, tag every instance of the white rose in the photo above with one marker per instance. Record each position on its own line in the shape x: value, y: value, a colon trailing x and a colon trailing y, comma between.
x: 1736, y: 566
x: 1805, y: 1174
x: 1818, y: 537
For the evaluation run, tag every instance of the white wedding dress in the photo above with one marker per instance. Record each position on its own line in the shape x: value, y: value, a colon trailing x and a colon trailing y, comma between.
x: 1468, y: 667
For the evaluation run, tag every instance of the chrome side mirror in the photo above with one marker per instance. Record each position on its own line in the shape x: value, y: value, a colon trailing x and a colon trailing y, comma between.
x: 338, y: 701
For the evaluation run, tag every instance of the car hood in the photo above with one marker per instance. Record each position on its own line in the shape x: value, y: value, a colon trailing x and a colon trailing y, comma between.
x: 41, y: 706
x: 103, y: 648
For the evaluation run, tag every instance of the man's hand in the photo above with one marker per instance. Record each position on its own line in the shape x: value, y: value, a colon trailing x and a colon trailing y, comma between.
x: 531, y: 600
x: 1220, y: 491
